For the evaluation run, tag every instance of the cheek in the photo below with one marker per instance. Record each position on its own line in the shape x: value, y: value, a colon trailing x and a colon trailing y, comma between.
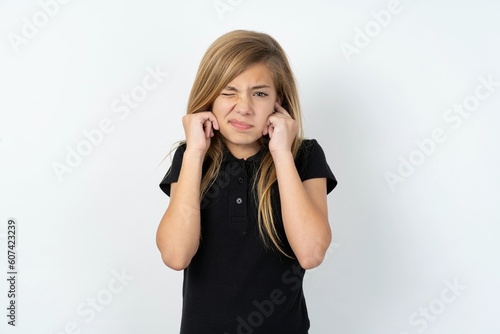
x: 263, y: 117
x: 218, y: 109
x: 215, y: 106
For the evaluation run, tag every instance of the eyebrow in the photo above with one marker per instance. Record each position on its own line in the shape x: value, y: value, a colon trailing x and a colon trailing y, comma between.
x: 234, y: 89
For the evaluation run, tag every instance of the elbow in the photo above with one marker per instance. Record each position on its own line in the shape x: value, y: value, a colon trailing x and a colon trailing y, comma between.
x: 312, y: 257
x: 175, y: 262
x: 171, y: 258
x: 310, y: 262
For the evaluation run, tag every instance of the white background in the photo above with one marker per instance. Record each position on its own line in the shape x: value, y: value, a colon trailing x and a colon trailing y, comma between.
x: 394, y: 249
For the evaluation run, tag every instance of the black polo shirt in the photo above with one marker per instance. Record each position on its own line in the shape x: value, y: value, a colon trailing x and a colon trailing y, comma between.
x: 234, y: 285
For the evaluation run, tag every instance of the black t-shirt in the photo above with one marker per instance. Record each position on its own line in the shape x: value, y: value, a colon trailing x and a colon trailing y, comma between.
x: 234, y: 284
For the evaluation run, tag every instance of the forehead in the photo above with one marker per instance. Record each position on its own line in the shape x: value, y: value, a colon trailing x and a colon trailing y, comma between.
x: 257, y: 74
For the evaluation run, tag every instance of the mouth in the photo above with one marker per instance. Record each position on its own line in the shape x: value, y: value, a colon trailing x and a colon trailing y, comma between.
x: 240, y: 125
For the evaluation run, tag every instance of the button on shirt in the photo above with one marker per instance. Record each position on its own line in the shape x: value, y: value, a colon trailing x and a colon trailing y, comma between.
x: 232, y: 270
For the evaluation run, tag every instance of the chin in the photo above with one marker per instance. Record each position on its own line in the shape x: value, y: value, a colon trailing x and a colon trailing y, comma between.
x: 242, y: 139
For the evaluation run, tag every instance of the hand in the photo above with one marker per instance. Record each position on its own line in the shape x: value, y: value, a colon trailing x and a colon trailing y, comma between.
x: 282, y: 130
x: 199, y: 128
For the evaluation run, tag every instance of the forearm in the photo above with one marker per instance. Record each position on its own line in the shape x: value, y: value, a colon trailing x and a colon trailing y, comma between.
x: 179, y: 230
x: 306, y: 225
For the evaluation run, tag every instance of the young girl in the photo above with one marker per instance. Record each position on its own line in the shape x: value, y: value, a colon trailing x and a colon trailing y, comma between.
x: 248, y: 209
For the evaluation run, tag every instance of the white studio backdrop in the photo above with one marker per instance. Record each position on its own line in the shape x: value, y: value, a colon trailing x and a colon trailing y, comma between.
x: 403, y: 95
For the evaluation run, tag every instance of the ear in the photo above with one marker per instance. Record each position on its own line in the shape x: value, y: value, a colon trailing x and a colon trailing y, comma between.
x: 279, y: 99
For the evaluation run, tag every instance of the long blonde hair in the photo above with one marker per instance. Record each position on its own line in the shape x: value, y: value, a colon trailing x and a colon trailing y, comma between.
x: 225, y: 59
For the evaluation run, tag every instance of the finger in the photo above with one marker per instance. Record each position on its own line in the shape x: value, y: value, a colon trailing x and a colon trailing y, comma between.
x: 280, y: 109
x: 215, y: 124
x: 203, y: 115
x: 274, y: 120
x: 209, y: 116
x: 207, y: 127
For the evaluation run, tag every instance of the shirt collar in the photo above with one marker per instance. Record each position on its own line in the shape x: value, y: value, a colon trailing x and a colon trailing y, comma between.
x: 228, y: 156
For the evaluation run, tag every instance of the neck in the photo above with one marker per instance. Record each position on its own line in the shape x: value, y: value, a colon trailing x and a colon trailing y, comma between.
x: 243, y: 151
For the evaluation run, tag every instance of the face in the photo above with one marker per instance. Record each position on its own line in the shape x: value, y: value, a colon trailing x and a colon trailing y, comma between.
x: 242, y: 109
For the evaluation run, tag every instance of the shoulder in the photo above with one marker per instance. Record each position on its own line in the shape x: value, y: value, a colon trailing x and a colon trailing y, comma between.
x: 308, y: 147
x: 180, y: 149
x: 178, y: 154
x: 311, y: 163
x: 173, y: 172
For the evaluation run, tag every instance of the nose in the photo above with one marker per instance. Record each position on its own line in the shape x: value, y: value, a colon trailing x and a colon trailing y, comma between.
x: 243, y: 106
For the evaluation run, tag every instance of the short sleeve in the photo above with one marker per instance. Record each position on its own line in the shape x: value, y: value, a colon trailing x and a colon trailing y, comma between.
x: 174, y: 170
x: 311, y: 163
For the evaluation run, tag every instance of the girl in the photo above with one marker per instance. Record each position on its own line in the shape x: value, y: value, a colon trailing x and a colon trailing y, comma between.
x: 248, y: 209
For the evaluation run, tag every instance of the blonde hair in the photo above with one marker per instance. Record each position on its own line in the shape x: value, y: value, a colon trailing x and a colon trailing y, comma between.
x: 225, y: 59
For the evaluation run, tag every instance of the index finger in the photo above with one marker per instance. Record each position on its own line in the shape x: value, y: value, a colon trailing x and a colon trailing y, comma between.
x: 280, y: 109
x: 209, y: 116
x: 213, y: 119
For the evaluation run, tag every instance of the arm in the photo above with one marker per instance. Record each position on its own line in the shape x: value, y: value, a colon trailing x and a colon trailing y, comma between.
x: 304, y: 211
x: 303, y: 204
x: 178, y: 234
